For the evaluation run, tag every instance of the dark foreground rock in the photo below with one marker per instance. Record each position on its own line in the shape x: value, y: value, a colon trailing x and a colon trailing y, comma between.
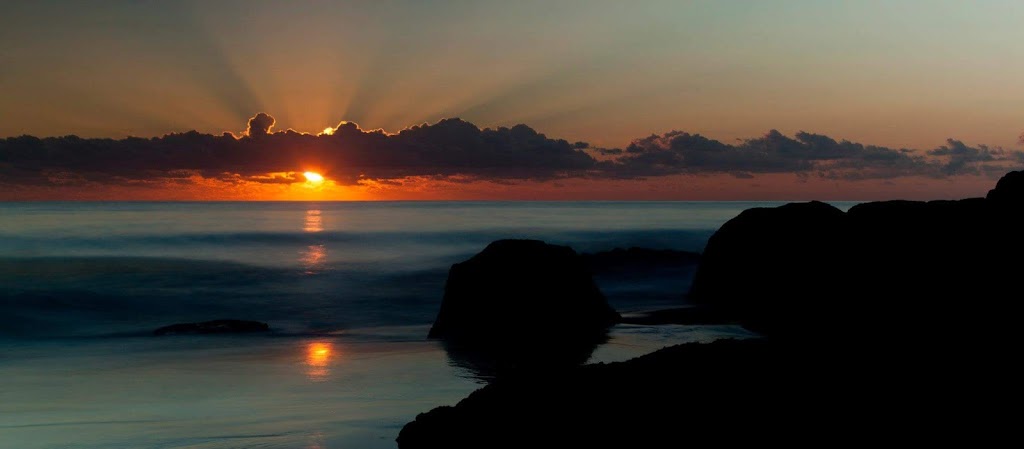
x: 514, y: 289
x: 594, y: 406
x: 891, y: 270
x: 521, y: 304
x: 724, y: 393
x: 895, y: 322
x: 1009, y: 190
x: 771, y: 265
x: 213, y: 327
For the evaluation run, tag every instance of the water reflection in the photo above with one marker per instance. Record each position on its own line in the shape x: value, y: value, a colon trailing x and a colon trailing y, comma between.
x: 313, y: 256
x: 314, y: 221
x: 319, y: 356
x: 316, y: 441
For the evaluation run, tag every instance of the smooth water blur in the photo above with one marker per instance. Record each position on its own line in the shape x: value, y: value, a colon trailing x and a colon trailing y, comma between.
x: 349, y: 289
x: 75, y: 269
x: 319, y: 234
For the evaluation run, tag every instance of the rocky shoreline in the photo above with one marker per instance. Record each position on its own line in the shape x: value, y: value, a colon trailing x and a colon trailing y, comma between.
x: 892, y: 322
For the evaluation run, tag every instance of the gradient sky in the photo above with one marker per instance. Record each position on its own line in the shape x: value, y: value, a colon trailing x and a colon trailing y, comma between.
x: 896, y: 73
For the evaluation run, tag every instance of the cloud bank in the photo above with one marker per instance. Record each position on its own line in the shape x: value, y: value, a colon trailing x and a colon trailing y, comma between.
x: 805, y: 154
x: 453, y: 149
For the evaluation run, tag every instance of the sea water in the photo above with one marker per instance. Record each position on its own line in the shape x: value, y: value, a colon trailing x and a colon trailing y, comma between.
x: 349, y: 288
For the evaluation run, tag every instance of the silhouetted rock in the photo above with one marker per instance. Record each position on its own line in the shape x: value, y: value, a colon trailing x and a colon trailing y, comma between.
x: 1009, y: 189
x: 213, y: 327
x: 895, y: 321
x: 599, y: 405
x: 769, y: 267
x: 515, y: 289
x: 905, y: 270
x: 521, y: 304
x: 727, y: 393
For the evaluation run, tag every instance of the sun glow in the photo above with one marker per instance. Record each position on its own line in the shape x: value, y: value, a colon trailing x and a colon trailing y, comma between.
x: 313, y: 177
x: 327, y: 131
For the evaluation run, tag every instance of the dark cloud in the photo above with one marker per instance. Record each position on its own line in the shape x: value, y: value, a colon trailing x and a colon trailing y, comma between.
x: 451, y: 148
x: 457, y: 151
x: 680, y: 152
x: 963, y: 159
x: 260, y: 125
x: 607, y: 151
x: 806, y: 154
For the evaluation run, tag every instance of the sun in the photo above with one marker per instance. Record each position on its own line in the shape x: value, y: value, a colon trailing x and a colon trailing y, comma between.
x: 313, y: 177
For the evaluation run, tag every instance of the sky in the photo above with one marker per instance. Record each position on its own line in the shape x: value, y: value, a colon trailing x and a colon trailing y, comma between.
x: 643, y: 100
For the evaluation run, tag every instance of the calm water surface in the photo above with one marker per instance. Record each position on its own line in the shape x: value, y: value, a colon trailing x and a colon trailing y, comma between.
x: 350, y: 290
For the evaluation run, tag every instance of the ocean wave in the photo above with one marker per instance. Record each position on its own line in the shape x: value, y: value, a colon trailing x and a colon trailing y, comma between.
x: 688, y: 240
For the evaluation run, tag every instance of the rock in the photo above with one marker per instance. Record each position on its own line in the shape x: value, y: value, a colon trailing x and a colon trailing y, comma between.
x: 1009, y: 189
x: 773, y: 268
x: 727, y: 393
x: 884, y: 274
x: 521, y: 305
x: 609, y: 405
x: 214, y: 327
x: 895, y: 321
x: 516, y: 289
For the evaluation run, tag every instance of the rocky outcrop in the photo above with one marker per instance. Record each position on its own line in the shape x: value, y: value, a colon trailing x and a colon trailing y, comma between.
x: 895, y: 321
x: 521, y: 305
x: 611, y: 405
x: 769, y: 266
x: 214, y: 327
x: 891, y: 270
x: 752, y: 392
x: 1009, y: 189
x: 516, y: 289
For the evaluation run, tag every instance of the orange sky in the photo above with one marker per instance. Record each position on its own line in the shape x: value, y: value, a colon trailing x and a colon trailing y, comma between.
x: 899, y: 74
x: 780, y: 187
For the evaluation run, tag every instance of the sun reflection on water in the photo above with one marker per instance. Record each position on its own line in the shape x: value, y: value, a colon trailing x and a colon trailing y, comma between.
x: 319, y: 356
x: 313, y: 256
x: 314, y: 221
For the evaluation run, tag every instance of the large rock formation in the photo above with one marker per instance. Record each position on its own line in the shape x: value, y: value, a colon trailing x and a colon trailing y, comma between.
x: 618, y: 405
x: 903, y: 270
x: 520, y: 289
x: 1009, y: 189
x: 521, y: 304
x: 727, y: 393
x: 895, y: 321
x: 770, y: 265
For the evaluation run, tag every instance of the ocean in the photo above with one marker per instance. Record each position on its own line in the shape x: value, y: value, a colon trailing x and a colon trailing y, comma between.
x: 349, y: 289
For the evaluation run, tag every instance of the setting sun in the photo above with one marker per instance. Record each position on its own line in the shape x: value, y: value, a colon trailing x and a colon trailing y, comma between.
x: 313, y: 177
